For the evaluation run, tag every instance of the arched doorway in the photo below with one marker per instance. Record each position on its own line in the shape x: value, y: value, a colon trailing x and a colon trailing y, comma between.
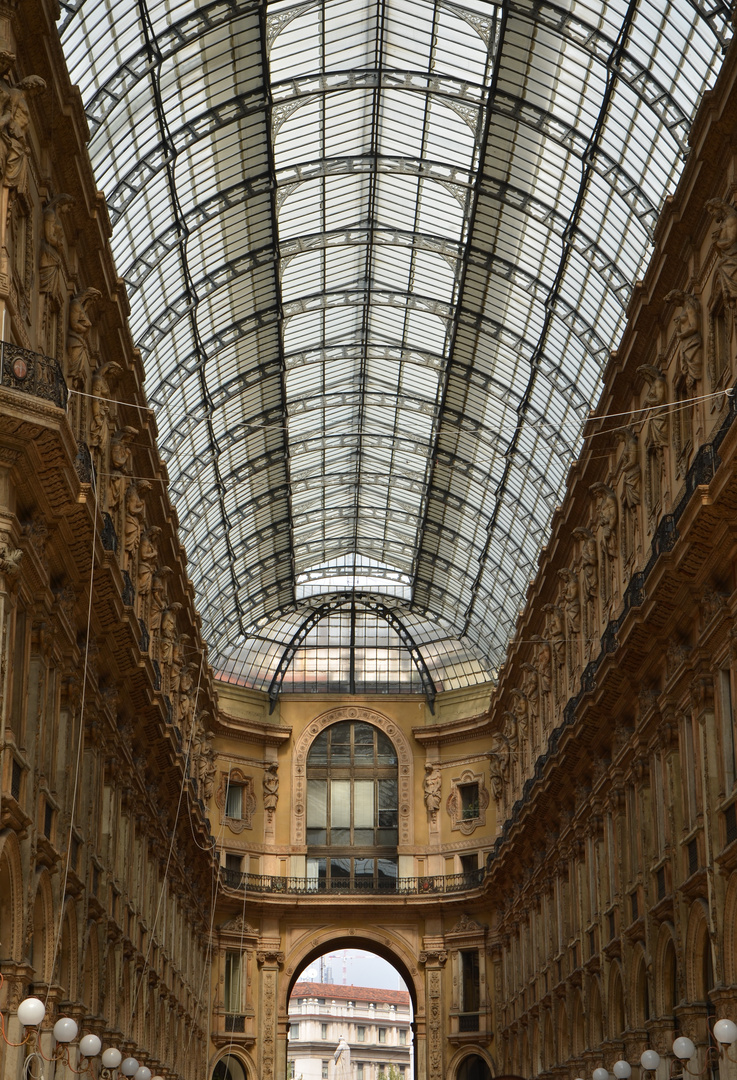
x: 229, y: 1068
x: 473, y: 1067
x: 348, y: 1009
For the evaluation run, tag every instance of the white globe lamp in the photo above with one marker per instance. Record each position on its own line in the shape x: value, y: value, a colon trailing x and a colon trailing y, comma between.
x: 650, y: 1059
x: 725, y: 1032
x: 111, y: 1058
x: 622, y: 1070
x: 684, y: 1048
x: 31, y: 1011
x: 129, y: 1067
x: 90, y: 1046
x: 65, y: 1029
x: 142, y: 1073
x: 601, y: 1074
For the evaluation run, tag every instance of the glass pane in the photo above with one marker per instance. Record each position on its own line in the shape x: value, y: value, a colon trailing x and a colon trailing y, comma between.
x: 387, y: 838
x: 363, y: 870
x: 233, y: 802
x: 318, y: 754
x: 340, y: 803
x: 317, y: 804
x: 340, y: 744
x: 388, y: 795
x: 317, y: 836
x: 363, y: 837
x: 316, y: 872
x: 386, y: 754
x: 363, y: 804
x: 387, y: 873
x: 340, y: 871
x: 340, y: 836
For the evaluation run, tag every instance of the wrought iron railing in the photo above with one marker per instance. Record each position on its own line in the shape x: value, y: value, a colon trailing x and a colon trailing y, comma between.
x: 315, y: 886
x: 32, y: 373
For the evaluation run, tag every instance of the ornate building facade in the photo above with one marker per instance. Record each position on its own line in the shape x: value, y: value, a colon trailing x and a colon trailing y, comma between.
x: 550, y: 861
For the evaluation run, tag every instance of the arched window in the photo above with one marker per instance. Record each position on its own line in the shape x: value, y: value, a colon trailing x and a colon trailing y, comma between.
x: 352, y: 813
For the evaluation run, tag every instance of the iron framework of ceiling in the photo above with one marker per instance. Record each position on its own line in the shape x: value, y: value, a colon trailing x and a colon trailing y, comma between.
x: 377, y: 253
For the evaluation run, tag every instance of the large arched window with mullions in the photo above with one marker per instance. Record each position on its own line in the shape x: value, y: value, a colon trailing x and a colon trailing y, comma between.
x: 352, y: 815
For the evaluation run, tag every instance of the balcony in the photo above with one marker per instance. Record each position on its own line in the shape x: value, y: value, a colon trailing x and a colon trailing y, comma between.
x: 266, y: 884
x: 32, y: 373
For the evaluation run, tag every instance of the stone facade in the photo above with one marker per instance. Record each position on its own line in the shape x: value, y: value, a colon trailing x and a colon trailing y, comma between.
x: 565, y: 870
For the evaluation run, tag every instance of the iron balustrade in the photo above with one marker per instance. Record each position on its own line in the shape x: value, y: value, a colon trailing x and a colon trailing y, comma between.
x: 32, y: 373
x: 431, y: 884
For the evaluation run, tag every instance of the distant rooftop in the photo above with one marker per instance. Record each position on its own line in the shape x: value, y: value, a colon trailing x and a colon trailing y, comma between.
x: 375, y: 995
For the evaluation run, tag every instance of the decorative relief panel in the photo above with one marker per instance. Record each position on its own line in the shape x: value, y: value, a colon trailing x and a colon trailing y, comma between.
x: 237, y: 778
x: 467, y: 814
x: 404, y: 763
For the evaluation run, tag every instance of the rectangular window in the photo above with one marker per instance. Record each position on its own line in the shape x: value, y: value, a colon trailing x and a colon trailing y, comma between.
x: 727, y: 718
x: 688, y: 772
x: 290, y: 1070
x: 324, y: 1070
x: 294, y: 1031
x: 317, y: 811
x: 469, y: 863
x: 470, y: 985
x: 323, y: 1031
x: 232, y: 982
x: 469, y: 801
x: 361, y: 1034
x: 402, y: 1037
x: 340, y: 811
x: 359, y: 1071
x: 382, y: 1035
x: 234, y: 801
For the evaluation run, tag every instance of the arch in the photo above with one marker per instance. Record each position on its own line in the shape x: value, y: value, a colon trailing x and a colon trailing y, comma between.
x: 729, y: 960
x: 11, y: 890
x: 616, y: 1002
x: 233, y: 1063
x: 472, y: 1064
x: 698, y: 953
x: 578, y: 1026
x: 455, y: 1064
x: 639, y: 990
x: 404, y: 760
x: 562, y: 1040
x: 91, y: 972
x: 401, y: 955
x: 596, y: 1016
x: 67, y: 959
x: 42, y: 937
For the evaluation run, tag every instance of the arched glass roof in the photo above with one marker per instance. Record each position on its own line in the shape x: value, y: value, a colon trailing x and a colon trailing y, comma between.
x: 377, y: 254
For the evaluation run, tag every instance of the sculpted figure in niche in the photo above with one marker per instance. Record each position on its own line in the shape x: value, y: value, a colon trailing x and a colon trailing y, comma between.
x: 159, y: 597
x: 80, y: 324
x: 725, y: 236
x: 15, y: 120
x: 210, y: 770
x: 271, y: 787
x: 177, y: 661
x: 543, y: 665
x: 51, y: 263
x: 342, y: 1061
x: 498, y: 764
x: 656, y: 399
x: 589, y: 579
x: 134, y: 511
x: 531, y: 691
x: 148, y: 554
x: 121, y: 462
x: 168, y: 634
x: 432, y: 786
x: 519, y: 709
x: 607, y: 516
x: 688, y: 332
x: 571, y: 605
x: 103, y: 383
x: 185, y: 709
x: 631, y: 489
x: 555, y: 633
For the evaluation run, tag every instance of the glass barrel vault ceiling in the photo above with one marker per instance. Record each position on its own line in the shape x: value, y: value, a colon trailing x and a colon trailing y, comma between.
x: 377, y: 253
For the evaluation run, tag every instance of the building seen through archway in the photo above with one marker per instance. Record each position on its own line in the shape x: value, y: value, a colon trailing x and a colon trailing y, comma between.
x: 367, y: 517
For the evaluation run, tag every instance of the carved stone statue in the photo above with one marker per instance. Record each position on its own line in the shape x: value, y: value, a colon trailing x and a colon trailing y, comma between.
x: 688, y: 332
x: 555, y: 632
x: 103, y: 383
x: 519, y: 708
x: 210, y: 770
x: 148, y: 554
x: 342, y: 1061
x: 607, y: 516
x: 185, y: 710
x: 725, y: 218
x: 80, y: 324
x: 542, y: 660
x: 15, y: 120
x: 121, y: 454
x: 159, y: 597
x: 271, y: 787
x: 531, y: 690
x: 498, y: 764
x: 177, y: 661
x: 135, y: 508
x: 168, y: 634
x: 10, y: 558
x: 50, y: 272
x: 656, y: 398
x: 432, y: 786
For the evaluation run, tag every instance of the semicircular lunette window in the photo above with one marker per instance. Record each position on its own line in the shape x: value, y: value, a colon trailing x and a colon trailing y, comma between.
x: 352, y: 811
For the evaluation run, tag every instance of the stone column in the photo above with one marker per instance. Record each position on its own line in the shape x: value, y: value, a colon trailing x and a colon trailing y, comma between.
x: 273, y: 1052
x: 433, y: 957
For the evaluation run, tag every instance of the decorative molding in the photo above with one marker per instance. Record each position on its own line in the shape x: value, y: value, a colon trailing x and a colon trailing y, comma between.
x: 453, y: 804
x: 238, y: 778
